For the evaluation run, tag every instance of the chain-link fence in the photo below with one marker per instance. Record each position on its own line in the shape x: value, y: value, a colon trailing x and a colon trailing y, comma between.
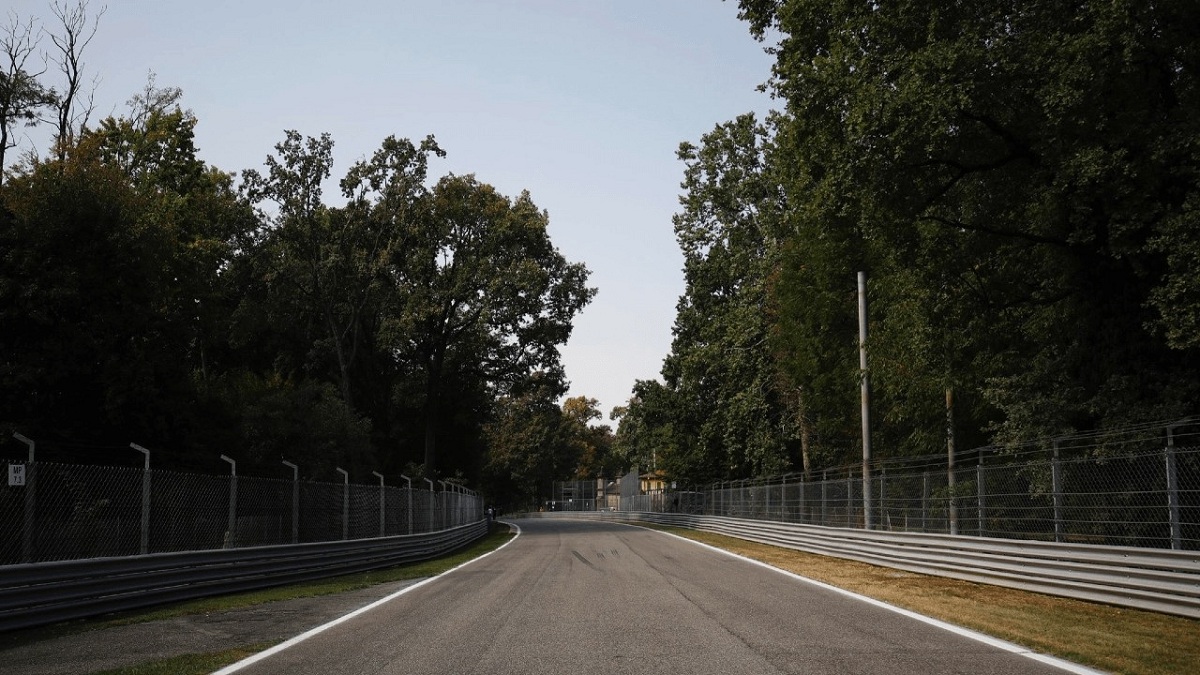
x: 54, y: 511
x: 1141, y: 488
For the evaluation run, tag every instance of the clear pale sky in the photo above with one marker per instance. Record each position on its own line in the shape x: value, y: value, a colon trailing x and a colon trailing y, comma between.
x: 581, y: 102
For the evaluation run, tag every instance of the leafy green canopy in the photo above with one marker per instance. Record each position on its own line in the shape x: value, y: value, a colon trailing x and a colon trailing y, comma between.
x: 143, y: 297
x: 1020, y: 181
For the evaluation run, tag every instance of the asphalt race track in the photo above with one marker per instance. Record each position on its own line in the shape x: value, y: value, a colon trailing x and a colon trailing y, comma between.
x: 571, y: 596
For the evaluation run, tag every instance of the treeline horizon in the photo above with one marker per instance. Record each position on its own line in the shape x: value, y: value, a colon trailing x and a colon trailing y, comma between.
x: 1020, y: 182
x: 410, y: 324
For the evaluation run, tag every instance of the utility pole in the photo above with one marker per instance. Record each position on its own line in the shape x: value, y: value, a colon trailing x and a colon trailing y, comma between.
x: 866, y: 398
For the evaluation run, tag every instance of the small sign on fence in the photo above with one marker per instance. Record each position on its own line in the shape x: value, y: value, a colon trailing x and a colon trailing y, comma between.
x: 16, y: 475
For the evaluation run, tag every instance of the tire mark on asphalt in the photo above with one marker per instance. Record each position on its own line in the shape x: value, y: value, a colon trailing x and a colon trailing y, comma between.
x: 584, y: 560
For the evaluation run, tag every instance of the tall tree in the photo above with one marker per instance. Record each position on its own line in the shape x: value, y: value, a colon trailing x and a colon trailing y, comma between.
x: 1019, y: 179
x: 481, y: 294
x: 22, y: 95
x: 720, y: 369
x: 313, y: 256
x: 529, y: 444
x: 76, y: 31
x: 595, y: 442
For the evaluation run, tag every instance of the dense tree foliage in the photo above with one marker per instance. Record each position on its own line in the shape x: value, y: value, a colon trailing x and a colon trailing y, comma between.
x: 533, y: 442
x: 1019, y: 180
x: 148, y: 297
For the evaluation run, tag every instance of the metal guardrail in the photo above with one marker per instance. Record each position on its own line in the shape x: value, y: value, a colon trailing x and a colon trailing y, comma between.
x: 1158, y: 580
x: 43, y: 593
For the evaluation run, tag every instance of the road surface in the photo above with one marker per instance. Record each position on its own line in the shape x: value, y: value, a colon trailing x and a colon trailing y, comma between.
x: 573, y: 596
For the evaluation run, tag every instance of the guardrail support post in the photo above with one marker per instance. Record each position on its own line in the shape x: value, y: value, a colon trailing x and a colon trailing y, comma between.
x: 295, y: 501
x: 30, y: 501
x: 145, y: 543
x: 345, y: 502
x: 1173, y: 491
x: 231, y: 531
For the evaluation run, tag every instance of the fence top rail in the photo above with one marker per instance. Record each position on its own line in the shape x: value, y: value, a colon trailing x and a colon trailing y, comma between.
x: 900, y: 469
x: 459, y: 489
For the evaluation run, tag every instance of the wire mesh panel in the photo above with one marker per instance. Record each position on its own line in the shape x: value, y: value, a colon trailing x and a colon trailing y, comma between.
x: 188, y: 512
x: 263, y: 511
x: 65, y: 512
x: 1148, y: 496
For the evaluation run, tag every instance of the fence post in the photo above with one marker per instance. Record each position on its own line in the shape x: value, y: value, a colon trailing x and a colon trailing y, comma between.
x: 408, y: 489
x: 783, y: 500
x: 231, y: 531
x: 1173, y: 491
x: 980, y: 492
x: 145, y: 544
x: 431, y: 504
x: 443, y: 504
x: 345, y: 502
x: 824, y: 498
x: 295, y: 501
x: 30, y: 500
x: 884, y: 521
x: 924, y: 501
x: 1056, y: 490
x: 801, y: 514
x: 382, y: 516
x: 853, y: 505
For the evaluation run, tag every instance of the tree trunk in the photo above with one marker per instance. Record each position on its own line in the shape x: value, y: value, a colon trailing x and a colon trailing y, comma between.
x: 803, y: 425
x: 343, y: 366
x: 433, y: 410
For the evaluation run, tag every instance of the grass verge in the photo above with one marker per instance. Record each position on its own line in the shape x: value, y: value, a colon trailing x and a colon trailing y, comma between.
x: 1108, y: 638
x: 191, y: 664
x: 349, y: 582
x: 493, y: 540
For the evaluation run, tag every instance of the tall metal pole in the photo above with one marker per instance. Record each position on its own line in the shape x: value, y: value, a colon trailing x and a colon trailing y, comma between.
x: 295, y: 501
x: 145, y: 546
x: 866, y: 398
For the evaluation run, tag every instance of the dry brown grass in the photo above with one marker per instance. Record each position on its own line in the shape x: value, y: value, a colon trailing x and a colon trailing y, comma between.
x: 1099, y: 636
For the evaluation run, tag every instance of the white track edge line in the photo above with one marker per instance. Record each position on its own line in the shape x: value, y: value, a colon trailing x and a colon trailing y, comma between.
x: 1026, y: 652
x: 266, y: 653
